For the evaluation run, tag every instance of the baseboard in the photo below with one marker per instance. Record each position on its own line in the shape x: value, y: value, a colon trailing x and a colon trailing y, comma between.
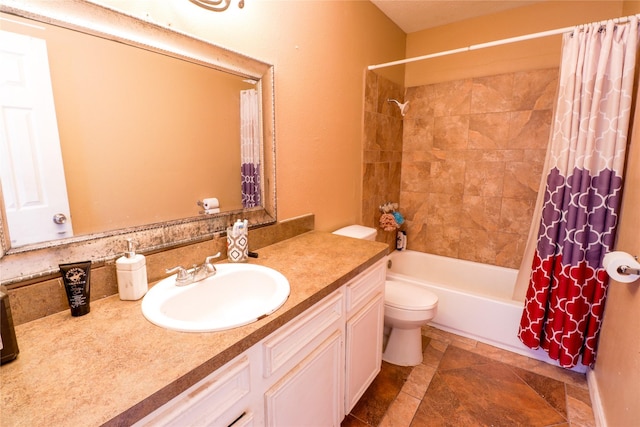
x: 596, y: 402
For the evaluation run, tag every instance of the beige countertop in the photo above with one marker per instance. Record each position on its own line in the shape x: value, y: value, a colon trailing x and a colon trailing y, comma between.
x: 113, y: 366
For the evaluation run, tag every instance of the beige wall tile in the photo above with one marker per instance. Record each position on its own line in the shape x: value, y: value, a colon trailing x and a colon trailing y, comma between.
x: 414, y: 178
x: 447, y: 177
x: 488, y: 131
x: 509, y: 248
x: 451, y: 132
x: 382, y: 171
x: 495, y: 155
x: 515, y: 215
x: 530, y: 129
x: 492, y: 94
x: 370, y: 92
x: 451, y: 98
x: 522, y: 180
x: 472, y: 163
x: 476, y: 245
x: 443, y: 208
x: 417, y: 134
x: 484, y: 179
x: 480, y: 213
x: 442, y: 240
x: 535, y: 89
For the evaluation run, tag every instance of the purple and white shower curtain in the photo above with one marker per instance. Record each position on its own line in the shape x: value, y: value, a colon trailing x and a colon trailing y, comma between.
x: 250, y: 148
x: 568, y: 285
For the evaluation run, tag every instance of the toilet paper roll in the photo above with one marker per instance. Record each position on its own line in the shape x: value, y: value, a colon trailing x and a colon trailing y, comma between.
x: 614, y: 260
x: 210, y: 203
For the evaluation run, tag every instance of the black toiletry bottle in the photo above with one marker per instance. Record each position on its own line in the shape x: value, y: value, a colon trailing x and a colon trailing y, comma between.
x: 7, y: 333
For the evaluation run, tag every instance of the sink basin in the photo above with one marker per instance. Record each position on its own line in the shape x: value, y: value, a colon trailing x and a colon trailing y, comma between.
x: 238, y: 294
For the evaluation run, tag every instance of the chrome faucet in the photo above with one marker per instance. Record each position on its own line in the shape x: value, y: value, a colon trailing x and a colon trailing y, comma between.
x: 195, y: 274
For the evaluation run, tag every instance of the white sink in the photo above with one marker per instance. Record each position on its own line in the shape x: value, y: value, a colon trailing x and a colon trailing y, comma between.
x: 236, y: 295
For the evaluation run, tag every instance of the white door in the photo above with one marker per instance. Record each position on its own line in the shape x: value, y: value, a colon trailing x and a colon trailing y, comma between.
x: 31, y: 169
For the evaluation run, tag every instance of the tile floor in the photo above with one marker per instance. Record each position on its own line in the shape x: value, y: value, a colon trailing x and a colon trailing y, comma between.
x: 462, y: 382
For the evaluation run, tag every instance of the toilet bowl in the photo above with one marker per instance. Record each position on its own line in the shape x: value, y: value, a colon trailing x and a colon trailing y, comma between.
x: 407, y: 307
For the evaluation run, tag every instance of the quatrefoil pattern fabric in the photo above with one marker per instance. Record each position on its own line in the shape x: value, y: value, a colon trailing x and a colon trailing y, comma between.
x: 568, y: 285
x: 250, y: 148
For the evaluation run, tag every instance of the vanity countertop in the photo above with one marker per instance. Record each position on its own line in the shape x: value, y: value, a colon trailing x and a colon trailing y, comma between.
x: 113, y: 366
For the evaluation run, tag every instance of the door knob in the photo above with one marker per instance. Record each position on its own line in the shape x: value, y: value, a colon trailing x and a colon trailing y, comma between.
x: 59, y: 218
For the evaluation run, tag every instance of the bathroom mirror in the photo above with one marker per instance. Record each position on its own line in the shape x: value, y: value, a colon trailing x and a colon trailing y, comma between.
x: 153, y: 231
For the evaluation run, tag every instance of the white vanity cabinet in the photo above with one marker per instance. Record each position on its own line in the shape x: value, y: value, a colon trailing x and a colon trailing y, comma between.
x: 304, y: 367
x: 364, y: 330
x: 309, y: 372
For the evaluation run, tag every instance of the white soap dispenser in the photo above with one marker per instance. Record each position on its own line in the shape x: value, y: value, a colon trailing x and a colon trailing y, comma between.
x: 131, y: 271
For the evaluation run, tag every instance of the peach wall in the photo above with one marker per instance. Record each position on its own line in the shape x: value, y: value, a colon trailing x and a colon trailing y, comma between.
x: 616, y: 373
x: 320, y: 50
x: 529, y: 55
x: 617, y: 367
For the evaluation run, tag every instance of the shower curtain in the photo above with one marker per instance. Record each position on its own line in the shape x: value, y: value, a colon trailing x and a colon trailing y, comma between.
x: 250, y: 148
x: 585, y: 160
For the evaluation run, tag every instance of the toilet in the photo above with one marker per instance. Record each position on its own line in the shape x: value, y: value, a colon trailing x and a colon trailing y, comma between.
x: 407, y: 307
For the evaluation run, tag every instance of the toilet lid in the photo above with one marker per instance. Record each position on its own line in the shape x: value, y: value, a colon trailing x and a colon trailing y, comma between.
x: 408, y: 296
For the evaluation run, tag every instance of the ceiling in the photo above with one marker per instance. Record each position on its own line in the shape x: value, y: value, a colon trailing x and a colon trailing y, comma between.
x: 417, y: 15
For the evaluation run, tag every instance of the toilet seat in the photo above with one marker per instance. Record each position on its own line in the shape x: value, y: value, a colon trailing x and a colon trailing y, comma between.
x: 407, y: 296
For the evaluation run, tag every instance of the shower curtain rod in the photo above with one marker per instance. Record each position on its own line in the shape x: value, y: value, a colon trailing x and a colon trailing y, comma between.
x: 496, y: 43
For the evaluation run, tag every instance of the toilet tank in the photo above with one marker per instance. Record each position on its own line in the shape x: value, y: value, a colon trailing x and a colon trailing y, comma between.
x: 358, y: 232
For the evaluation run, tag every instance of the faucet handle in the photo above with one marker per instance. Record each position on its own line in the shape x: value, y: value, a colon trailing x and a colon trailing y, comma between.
x: 182, y: 272
x: 208, y: 259
x: 211, y: 269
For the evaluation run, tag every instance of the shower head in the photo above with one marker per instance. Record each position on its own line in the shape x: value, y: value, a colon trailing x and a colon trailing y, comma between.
x: 403, y: 107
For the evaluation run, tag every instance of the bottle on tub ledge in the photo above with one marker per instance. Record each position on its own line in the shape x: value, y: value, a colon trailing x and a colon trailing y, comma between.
x: 131, y: 272
x: 401, y: 240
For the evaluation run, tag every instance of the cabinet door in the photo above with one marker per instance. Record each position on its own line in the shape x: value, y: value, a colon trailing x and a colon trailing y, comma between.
x: 312, y: 393
x: 364, y: 349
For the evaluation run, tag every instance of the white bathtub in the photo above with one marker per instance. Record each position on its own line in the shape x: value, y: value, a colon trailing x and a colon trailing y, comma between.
x: 474, y: 299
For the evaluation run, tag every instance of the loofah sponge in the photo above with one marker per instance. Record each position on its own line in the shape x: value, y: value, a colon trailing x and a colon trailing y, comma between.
x: 388, y: 222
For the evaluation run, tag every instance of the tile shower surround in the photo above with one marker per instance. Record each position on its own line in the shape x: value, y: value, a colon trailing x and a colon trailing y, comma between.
x: 382, y: 151
x: 471, y: 156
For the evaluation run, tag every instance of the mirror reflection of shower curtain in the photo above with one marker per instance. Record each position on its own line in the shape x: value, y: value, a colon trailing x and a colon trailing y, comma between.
x: 250, y: 148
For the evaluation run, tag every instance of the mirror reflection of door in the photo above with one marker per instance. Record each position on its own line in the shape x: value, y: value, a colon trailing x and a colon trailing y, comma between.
x: 31, y: 169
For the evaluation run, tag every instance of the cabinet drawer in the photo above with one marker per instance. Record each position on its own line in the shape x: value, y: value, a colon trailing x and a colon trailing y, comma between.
x: 365, y: 286
x: 295, y: 341
x: 218, y: 399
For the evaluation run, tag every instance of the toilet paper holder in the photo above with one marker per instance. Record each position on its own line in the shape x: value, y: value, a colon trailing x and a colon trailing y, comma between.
x: 625, y: 269
x: 210, y: 205
x: 621, y: 266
